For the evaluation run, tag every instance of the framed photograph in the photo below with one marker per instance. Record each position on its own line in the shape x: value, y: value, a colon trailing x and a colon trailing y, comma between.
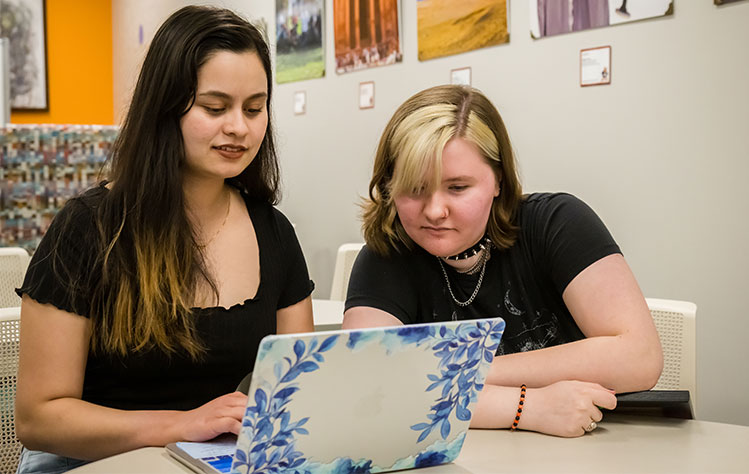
x: 447, y: 27
x: 366, y: 95
x: 367, y: 33
x: 300, y: 103
x: 300, y: 54
x: 23, y: 23
x: 595, y: 66
x: 461, y: 76
x: 556, y: 17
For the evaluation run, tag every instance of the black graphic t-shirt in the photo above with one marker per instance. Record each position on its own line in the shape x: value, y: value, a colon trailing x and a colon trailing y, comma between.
x: 559, y: 237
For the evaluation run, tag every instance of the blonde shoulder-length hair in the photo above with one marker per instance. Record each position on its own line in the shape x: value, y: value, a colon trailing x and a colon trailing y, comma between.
x: 409, y: 158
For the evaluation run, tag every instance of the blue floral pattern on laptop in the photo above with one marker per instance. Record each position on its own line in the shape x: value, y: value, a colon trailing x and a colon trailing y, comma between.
x: 278, y: 433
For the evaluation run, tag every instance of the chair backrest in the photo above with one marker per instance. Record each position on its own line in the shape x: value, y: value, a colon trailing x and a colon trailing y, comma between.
x: 343, y: 263
x: 10, y: 447
x: 13, y: 264
x: 676, y: 325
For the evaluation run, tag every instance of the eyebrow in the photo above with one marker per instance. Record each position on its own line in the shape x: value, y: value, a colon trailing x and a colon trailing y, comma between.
x: 224, y: 95
x: 459, y: 178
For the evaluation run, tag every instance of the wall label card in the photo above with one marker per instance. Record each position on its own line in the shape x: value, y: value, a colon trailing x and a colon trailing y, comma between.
x: 595, y: 66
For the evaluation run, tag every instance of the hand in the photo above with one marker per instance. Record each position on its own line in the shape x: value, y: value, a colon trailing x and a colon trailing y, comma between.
x: 221, y: 415
x: 565, y: 408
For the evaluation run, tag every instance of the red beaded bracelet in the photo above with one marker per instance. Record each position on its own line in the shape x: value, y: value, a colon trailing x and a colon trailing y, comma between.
x: 520, y: 408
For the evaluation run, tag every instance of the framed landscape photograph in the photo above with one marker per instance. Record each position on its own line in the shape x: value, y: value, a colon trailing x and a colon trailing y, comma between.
x: 447, y: 27
x: 23, y: 23
x: 300, y: 54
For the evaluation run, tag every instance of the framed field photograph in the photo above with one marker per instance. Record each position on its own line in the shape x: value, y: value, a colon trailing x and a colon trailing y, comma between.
x: 23, y: 23
x: 555, y: 17
x: 299, y: 40
x: 367, y: 34
x: 447, y: 27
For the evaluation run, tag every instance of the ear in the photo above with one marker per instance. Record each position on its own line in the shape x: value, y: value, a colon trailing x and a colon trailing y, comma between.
x: 497, y: 183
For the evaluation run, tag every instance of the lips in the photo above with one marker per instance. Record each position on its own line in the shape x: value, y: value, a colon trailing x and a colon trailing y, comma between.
x: 435, y: 230
x: 231, y: 151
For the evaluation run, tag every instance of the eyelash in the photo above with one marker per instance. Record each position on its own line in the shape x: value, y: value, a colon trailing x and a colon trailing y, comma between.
x: 217, y: 111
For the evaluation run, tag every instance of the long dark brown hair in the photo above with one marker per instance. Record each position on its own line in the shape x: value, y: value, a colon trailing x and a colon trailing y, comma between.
x: 149, y: 259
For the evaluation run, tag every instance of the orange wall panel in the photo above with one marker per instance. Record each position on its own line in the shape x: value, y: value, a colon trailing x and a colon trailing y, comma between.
x: 79, y: 64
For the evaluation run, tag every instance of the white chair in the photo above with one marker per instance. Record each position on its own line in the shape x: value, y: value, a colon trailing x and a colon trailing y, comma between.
x: 343, y: 263
x: 13, y: 264
x: 676, y: 325
x: 10, y: 447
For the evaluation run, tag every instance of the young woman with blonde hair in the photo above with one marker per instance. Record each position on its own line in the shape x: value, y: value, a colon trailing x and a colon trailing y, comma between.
x: 449, y: 235
x: 145, y: 302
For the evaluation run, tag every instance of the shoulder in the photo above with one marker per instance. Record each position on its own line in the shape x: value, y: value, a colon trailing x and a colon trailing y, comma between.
x: 550, y: 209
x: 78, y: 215
x: 395, y: 258
x: 266, y: 215
x: 398, y: 266
x: 548, y: 203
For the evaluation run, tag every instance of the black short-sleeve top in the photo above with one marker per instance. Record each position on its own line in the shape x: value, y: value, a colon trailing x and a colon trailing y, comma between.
x: 559, y: 237
x: 150, y: 380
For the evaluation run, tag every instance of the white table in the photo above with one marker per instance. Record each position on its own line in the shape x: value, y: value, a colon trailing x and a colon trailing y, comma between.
x: 621, y: 444
x: 328, y: 314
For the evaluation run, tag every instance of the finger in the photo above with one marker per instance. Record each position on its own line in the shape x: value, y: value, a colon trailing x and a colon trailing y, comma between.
x: 597, y: 416
x: 597, y: 386
x: 234, y: 427
x: 604, y: 399
x: 237, y: 396
x: 236, y: 413
x: 234, y: 399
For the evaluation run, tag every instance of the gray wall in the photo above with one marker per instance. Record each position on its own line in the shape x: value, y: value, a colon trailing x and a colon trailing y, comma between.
x: 661, y: 154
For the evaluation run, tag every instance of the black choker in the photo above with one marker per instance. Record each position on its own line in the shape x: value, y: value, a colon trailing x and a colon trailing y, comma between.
x: 482, y: 244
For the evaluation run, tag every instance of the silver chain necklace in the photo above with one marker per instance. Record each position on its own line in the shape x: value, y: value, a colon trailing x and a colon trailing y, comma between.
x: 478, y: 285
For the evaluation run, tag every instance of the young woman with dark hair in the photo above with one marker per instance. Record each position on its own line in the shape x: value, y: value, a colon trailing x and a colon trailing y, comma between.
x: 145, y: 302
x: 451, y: 236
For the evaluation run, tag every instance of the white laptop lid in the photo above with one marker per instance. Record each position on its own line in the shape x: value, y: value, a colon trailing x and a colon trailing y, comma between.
x: 368, y: 400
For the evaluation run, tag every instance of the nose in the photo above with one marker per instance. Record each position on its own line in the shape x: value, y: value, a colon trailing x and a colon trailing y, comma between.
x: 235, y: 123
x: 435, y: 207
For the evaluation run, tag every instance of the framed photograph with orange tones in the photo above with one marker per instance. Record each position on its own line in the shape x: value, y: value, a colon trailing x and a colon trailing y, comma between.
x: 23, y: 22
x: 367, y: 34
x: 447, y: 27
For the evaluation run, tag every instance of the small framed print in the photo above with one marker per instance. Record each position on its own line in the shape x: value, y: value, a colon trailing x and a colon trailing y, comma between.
x: 595, y: 66
x: 461, y: 76
x: 300, y: 103
x: 366, y: 95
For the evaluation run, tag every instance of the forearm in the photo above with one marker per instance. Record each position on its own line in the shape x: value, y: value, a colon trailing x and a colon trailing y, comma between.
x: 78, y: 429
x: 617, y: 362
x: 496, y: 407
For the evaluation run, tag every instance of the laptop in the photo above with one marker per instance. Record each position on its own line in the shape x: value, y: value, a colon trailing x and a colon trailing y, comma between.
x: 365, y: 400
